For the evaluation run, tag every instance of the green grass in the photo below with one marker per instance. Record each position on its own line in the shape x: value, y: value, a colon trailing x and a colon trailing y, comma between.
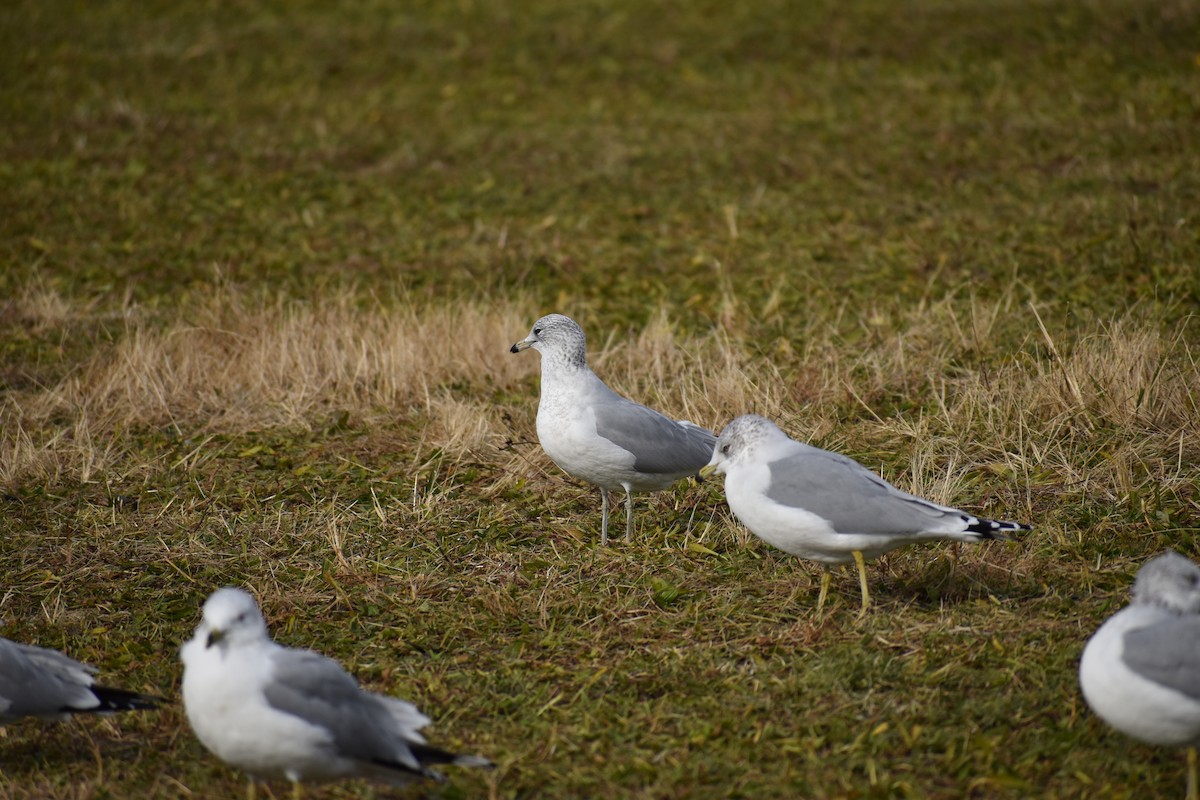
x: 226, y: 228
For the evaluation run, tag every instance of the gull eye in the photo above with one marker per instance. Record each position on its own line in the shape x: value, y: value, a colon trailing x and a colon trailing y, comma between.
x: 725, y: 450
x: 537, y: 331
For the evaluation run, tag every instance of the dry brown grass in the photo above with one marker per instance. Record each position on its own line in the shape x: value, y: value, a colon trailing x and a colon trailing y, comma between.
x: 1089, y: 413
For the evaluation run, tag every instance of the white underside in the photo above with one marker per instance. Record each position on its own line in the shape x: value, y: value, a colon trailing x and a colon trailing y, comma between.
x: 223, y: 697
x: 1128, y: 702
x: 566, y: 429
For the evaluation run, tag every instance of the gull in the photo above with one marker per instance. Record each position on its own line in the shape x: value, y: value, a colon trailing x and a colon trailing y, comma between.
x: 39, y: 682
x: 594, y: 434
x: 1140, y: 672
x: 278, y: 712
x: 825, y: 506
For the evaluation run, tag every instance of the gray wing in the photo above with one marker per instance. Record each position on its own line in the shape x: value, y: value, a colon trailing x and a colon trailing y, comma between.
x: 58, y: 664
x: 660, y: 445
x: 851, y: 497
x: 316, y: 689
x: 35, y: 681
x: 1167, y: 653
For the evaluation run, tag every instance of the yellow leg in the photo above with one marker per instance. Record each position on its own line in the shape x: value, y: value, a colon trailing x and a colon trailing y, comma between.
x: 862, y: 581
x: 1193, y: 782
x: 296, y: 794
x: 824, y: 589
x: 251, y: 790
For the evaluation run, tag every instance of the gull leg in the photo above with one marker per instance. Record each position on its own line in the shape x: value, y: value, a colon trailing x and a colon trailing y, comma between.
x: 296, y: 793
x: 862, y: 581
x: 825, y: 578
x: 250, y: 790
x: 1193, y: 781
x: 603, y: 517
x: 628, y: 516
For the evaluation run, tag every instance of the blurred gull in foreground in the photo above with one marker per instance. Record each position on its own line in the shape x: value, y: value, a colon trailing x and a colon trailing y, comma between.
x: 593, y: 433
x: 278, y: 712
x: 1140, y: 672
x: 825, y: 506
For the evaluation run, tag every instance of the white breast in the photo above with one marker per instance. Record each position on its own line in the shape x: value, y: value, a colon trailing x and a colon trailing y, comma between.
x: 792, y: 530
x: 1133, y: 705
x: 227, y: 710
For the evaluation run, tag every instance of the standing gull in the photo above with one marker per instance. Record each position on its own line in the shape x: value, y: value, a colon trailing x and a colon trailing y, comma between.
x: 593, y: 433
x: 825, y: 506
x: 37, y: 682
x: 278, y: 712
x: 1140, y: 672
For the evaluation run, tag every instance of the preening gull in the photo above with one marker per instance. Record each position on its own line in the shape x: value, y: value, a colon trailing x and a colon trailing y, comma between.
x: 1140, y: 672
x: 594, y: 434
x: 278, y: 712
x: 39, y: 682
x: 825, y: 506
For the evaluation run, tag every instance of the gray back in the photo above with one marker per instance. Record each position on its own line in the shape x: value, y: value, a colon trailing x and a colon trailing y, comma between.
x: 1167, y: 653
x: 852, y: 498
x: 660, y: 445
x: 35, y: 681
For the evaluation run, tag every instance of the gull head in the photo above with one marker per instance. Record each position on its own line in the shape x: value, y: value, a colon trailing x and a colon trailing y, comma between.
x: 230, y: 617
x: 740, y: 441
x: 1171, y: 581
x: 557, y: 337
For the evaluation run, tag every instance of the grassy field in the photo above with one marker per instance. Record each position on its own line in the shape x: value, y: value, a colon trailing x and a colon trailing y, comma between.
x: 262, y: 263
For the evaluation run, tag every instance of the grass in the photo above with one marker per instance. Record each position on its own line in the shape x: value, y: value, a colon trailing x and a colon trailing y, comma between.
x: 263, y: 263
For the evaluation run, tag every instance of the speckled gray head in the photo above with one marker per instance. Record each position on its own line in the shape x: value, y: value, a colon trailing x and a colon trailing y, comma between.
x: 556, y: 337
x: 740, y: 440
x: 1171, y: 581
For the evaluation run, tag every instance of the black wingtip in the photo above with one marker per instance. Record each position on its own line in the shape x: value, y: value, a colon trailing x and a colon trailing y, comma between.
x: 427, y: 755
x: 396, y: 766
x: 122, y: 700
x: 994, y: 529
